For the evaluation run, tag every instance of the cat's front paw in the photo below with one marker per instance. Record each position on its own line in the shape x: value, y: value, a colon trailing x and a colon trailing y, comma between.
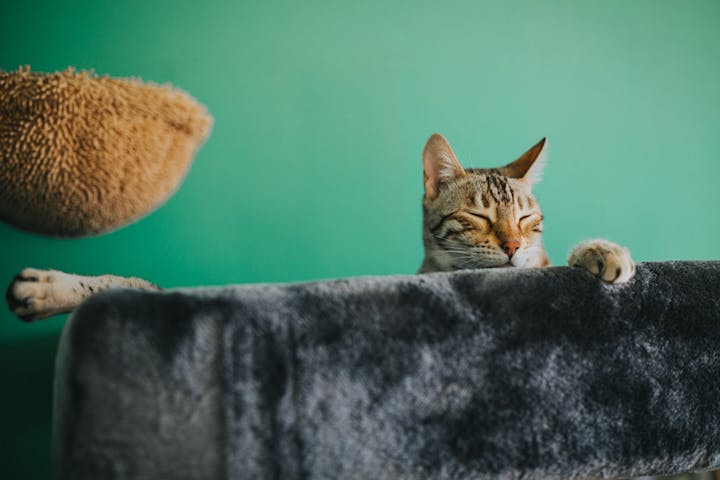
x: 33, y: 294
x: 606, y: 260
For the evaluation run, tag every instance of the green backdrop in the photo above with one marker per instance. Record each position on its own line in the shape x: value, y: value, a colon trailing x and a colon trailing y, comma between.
x: 322, y: 109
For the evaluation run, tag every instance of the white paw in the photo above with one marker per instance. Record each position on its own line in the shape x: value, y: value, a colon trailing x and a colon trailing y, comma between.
x: 35, y: 294
x: 606, y: 260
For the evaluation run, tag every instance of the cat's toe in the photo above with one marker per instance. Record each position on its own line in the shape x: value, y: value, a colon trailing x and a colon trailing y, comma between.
x: 27, y: 292
x: 619, y: 267
x: 35, y: 275
x: 606, y: 260
x: 13, y: 301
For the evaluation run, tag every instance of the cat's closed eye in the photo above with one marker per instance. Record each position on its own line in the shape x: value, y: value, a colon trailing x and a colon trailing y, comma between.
x: 481, y: 216
x: 531, y: 222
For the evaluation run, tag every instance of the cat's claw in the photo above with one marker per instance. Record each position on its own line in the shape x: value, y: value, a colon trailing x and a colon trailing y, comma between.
x: 606, y: 260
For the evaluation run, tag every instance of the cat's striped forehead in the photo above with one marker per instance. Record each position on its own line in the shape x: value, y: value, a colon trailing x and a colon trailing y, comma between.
x: 486, y: 189
x: 492, y: 187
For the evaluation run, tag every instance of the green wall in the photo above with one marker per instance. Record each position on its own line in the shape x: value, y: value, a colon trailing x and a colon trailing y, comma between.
x: 322, y: 108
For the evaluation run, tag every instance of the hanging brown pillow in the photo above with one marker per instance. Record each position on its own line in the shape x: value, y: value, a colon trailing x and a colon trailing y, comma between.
x: 82, y: 154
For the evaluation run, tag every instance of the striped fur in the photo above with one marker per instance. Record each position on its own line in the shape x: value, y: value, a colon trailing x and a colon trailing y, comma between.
x: 489, y: 218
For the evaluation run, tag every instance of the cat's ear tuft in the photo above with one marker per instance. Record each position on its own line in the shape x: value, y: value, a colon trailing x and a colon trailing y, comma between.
x: 440, y: 165
x: 530, y: 165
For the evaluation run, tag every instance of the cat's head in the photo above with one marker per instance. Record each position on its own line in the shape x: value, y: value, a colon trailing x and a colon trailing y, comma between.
x: 479, y: 218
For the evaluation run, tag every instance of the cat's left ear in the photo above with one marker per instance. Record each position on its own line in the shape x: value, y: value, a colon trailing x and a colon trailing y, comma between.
x: 530, y: 165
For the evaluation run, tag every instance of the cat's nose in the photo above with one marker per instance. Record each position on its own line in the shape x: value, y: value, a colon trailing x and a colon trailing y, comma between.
x: 510, y: 247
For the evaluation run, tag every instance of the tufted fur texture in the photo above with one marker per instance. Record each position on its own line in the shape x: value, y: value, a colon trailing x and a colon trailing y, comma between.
x: 485, y: 374
x: 82, y: 154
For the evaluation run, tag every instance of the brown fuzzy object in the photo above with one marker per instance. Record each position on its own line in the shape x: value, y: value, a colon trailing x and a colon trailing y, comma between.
x: 82, y: 154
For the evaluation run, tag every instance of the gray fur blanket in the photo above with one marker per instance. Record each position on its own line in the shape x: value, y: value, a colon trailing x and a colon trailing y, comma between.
x: 467, y: 375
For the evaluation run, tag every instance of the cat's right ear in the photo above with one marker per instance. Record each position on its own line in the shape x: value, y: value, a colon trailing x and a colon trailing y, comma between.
x: 440, y: 165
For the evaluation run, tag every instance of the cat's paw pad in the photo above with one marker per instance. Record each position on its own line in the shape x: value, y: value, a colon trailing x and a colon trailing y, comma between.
x: 30, y: 295
x: 606, y: 260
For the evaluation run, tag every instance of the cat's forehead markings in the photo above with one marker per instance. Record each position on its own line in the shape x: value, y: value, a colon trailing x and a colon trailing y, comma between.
x: 478, y: 200
x: 497, y: 188
x: 472, y: 198
x: 524, y: 202
x: 485, y: 200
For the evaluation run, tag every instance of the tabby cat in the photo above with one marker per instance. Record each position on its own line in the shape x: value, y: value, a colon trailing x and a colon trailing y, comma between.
x: 484, y: 218
x: 472, y: 218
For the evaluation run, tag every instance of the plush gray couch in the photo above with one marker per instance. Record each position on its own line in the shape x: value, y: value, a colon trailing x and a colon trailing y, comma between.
x: 469, y: 375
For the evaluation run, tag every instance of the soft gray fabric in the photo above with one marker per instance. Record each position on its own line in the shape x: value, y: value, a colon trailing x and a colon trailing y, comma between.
x: 477, y: 374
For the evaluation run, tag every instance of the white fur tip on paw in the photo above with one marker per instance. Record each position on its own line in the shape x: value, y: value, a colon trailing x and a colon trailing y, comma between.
x: 33, y: 293
x: 606, y: 260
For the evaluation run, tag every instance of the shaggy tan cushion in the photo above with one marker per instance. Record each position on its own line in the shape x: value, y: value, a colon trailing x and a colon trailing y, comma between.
x: 82, y: 154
